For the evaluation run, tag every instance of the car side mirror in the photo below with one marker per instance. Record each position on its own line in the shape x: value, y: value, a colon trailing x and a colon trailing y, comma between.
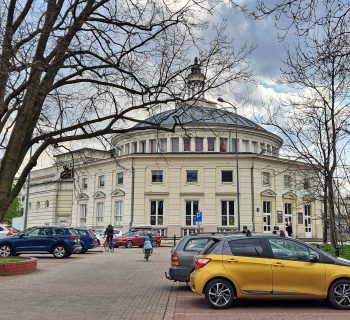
x: 313, y: 258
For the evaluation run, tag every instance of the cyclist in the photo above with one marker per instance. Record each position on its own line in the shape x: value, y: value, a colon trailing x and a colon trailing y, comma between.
x: 147, y: 247
x: 149, y: 235
x: 109, y: 232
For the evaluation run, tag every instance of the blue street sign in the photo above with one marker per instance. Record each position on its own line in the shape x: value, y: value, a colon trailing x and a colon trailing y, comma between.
x: 198, y: 216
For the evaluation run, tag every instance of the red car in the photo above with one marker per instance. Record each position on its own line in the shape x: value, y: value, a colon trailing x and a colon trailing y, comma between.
x: 137, y: 238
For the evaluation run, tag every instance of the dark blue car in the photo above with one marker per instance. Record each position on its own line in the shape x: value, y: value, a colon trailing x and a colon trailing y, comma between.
x: 88, y: 239
x: 60, y: 241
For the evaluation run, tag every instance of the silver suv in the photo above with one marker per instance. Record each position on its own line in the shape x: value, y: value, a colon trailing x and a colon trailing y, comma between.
x: 183, y: 253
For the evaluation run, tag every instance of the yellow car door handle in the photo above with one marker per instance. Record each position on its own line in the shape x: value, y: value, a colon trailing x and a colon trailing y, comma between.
x: 232, y: 260
x: 278, y: 264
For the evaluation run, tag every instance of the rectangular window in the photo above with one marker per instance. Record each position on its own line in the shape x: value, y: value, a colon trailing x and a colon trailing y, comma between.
x: 134, y: 147
x: 192, y: 176
x: 262, y: 148
x: 153, y: 146
x: 157, y: 175
x: 84, y: 183
x: 100, y: 208
x: 255, y: 147
x: 234, y: 145
x: 157, y: 213
x: 287, y: 181
x: 227, y: 213
x: 174, y: 144
x: 83, y: 214
x: 101, y: 181
x: 274, y: 151
x: 288, y: 213
x: 306, y: 183
x: 223, y: 144
x: 227, y: 176
x: 245, y: 145
x: 191, y: 210
x: 246, y: 248
x: 142, y: 146
x: 127, y: 149
x: 199, y: 144
x: 266, y: 178
x: 187, y: 144
x: 118, y: 213
x: 211, y: 144
x: 120, y: 178
x: 189, y: 231
x: 268, y: 149
x: 163, y: 145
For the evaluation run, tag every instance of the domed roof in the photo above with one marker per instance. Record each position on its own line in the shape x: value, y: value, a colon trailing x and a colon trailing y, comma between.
x: 201, y: 116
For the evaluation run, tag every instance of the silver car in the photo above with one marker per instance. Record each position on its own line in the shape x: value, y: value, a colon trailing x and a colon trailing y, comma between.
x: 6, y: 230
x: 182, y: 256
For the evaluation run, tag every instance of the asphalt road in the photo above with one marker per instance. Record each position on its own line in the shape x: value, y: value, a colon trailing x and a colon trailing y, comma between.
x: 121, y: 285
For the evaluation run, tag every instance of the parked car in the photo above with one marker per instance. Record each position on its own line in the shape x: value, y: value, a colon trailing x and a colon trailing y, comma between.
x: 88, y: 239
x: 101, y: 236
x: 6, y: 230
x: 182, y: 256
x: 60, y: 241
x: 267, y: 266
x: 137, y: 238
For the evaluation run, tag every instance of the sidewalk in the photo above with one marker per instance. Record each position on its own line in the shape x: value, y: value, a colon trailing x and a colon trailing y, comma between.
x: 96, y: 285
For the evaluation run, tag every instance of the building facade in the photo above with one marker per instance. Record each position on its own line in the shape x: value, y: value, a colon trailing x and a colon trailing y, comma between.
x: 217, y: 163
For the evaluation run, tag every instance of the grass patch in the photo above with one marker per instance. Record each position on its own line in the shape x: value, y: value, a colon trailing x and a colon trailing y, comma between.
x: 12, y: 260
x: 344, y: 251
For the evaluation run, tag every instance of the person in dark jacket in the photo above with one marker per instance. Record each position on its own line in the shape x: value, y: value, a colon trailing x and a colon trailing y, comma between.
x: 109, y: 232
x: 289, y: 230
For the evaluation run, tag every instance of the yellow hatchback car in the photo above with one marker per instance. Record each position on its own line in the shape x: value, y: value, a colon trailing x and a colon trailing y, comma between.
x: 267, y: 266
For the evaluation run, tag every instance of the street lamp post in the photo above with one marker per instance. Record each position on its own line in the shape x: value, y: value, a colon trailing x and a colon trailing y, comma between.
x: 237, y: 175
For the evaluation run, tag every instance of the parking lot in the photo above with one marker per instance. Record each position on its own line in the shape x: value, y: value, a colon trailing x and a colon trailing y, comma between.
x: 121, y: 285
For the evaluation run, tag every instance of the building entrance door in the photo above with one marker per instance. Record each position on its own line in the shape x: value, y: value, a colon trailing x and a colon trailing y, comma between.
x: 267, y: 216
x: 307, y: 221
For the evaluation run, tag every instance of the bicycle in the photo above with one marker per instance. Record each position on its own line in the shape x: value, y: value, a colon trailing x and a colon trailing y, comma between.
x: 109, y: 245
x: 147, y: 253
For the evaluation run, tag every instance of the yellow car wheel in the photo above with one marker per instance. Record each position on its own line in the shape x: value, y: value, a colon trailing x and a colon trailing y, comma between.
x: 219, y: 293
x: 339, y: 294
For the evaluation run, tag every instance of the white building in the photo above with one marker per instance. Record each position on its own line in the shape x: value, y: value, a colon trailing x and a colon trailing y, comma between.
x: 165, y: 178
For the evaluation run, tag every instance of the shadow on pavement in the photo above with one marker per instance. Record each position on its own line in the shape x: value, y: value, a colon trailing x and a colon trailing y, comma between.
x: 265, y: 304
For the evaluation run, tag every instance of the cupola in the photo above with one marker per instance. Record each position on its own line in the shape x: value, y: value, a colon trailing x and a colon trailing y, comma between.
x: 195, y: 80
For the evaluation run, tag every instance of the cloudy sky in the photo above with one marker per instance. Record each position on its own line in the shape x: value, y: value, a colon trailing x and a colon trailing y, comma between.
x: 266, y: 60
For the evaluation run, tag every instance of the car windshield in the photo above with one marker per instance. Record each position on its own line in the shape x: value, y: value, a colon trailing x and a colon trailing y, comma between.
x: 131, y: 234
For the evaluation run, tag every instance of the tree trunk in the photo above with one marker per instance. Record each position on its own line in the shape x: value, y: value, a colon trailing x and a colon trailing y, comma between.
x: 325, y: 221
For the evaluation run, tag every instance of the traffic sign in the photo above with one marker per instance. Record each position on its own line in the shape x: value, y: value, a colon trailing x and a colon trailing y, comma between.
x: 198, y: 216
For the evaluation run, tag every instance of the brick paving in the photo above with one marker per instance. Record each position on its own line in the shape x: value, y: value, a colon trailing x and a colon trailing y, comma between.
x: 190, y: 306
x: 96, y: 285
x: 122, y: 286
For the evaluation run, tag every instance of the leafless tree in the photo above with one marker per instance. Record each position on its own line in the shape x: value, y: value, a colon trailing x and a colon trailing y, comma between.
x: 78, y: 69
x: 314, y: 121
